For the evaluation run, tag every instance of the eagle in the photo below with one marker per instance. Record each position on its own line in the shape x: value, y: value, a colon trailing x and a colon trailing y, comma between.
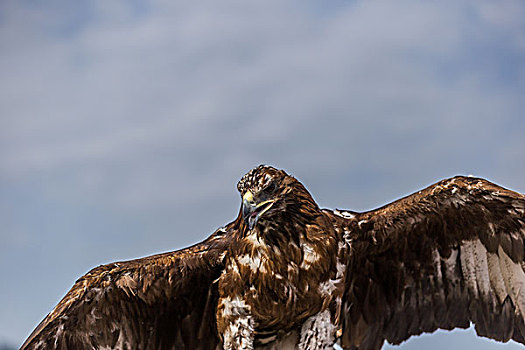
x: 287, y: 274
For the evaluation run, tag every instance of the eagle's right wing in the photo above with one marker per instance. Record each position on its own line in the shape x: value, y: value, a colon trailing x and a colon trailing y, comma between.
x: 165, y: 301
x: 443, y: 257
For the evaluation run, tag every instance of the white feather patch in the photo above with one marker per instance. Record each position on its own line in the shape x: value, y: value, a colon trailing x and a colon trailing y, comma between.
x: 362, y: 222
x: 514, y: 279
x: 234, y: 306
x: 481, y: 267
x: 326, y: 288
x: 468, y: 269
x: 254, y: 239
x: 58, y: 334
x: 239, y: 334
x: 317, y: 332
x: 310, y: 256
x: 255, y: 262
x: 496, y: 277
x: 344, y: 214
x: 475, y: 268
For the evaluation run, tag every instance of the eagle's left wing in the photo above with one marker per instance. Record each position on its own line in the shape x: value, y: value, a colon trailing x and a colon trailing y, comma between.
x: 443, y: 257
x: 165, y: 301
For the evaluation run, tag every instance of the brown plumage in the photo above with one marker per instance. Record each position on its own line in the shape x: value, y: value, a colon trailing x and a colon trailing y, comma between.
x: 286, y: 273
x: 443, y: 257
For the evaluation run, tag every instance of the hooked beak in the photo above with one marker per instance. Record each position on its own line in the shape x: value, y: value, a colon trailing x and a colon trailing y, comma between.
x: 252, y: 211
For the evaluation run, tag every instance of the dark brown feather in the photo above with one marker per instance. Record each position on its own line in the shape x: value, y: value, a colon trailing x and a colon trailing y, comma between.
x: 166, y: 301
x: 416, y: 265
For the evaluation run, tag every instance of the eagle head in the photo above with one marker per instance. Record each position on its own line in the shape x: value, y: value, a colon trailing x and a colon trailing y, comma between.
x: 268, y: 194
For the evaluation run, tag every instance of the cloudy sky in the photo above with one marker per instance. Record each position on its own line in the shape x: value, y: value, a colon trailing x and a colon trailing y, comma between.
x: 125, y: 125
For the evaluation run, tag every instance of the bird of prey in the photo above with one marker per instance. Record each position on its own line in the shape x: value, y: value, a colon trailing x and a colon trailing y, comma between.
x: 288, y: 274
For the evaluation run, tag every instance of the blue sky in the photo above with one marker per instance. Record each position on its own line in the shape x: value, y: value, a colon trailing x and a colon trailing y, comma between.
x: 126, y: 125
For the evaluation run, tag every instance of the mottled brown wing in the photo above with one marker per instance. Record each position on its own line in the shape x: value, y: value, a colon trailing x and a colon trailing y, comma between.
x: 165, y: 301
x: 446, y: 256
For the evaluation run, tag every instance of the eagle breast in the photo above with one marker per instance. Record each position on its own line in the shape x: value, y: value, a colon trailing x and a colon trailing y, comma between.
x: 278, y: 270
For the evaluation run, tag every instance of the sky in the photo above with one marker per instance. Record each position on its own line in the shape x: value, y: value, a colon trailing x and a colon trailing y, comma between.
x: 125, y: 125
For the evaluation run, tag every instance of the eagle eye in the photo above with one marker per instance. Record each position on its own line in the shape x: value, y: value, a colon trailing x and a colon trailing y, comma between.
x: 271, y: 187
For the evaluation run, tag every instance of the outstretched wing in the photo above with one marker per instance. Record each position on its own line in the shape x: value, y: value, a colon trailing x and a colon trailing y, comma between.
x: 165, y: 301
x: 443, y: 257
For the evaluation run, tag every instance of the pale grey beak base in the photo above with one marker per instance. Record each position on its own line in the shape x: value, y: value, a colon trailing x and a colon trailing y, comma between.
x: 249, y: 213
